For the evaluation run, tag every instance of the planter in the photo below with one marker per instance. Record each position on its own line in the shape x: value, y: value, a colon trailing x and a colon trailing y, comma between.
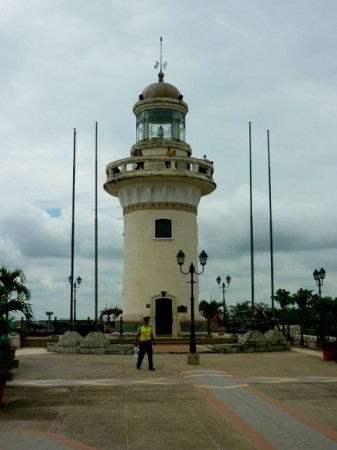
x: 329, y: 354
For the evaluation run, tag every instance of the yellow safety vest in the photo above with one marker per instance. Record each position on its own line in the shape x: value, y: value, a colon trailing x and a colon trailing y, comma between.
x: 145, y: 333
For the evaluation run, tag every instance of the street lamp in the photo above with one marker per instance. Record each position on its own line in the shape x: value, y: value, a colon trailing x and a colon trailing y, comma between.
x: 75, y: 286
x: 319, y: 277
x: 223, y: 288
x: 203, y: 260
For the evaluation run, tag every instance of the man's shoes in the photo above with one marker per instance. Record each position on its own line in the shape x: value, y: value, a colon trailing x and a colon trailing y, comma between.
x: 152, y: 368
x: 138, y: 368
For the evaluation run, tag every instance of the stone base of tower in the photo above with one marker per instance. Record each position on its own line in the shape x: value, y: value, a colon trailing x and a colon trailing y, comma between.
x: 180, y: 328
x: 200, y: 323
x: 129, y: 323
x: 186, y: 317
x: 131, y: 318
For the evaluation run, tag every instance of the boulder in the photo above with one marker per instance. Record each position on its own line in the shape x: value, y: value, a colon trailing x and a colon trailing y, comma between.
x: 94, y: 342
x: 275, y: 337
x: 69, y: 342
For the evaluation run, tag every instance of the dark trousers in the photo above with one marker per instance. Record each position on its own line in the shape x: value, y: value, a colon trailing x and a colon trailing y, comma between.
x: 145, y: 347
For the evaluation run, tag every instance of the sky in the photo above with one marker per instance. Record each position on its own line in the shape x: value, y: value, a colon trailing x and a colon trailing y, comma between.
x: 68, y: 64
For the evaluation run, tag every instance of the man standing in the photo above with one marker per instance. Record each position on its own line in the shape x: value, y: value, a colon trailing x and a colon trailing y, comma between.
x: 145, y: 340
x: 112, y: 319
x: 105, y: 319
x: 219, y: 319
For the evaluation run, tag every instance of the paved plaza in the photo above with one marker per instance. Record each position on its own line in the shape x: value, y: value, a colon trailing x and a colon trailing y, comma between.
x: 279, y: 400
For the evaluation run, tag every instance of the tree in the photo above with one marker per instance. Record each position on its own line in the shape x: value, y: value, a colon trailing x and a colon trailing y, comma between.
x: 241, y: 310
x: 208, y: 310
x: 284, y: 298
x: 111, y: 310
x: 286, y: 302
x: 14, y: 295
x: 241, y: 313
x: 302, y: 298
x: 324, y: 315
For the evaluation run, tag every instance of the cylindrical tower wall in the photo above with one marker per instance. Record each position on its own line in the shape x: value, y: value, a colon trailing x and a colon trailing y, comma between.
x: 150, y: 265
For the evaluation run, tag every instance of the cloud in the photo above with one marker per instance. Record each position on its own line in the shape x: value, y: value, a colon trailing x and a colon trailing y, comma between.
x: 70, y: 64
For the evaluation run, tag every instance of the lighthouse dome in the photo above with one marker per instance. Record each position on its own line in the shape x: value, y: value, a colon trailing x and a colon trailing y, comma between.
x: 161, y: 89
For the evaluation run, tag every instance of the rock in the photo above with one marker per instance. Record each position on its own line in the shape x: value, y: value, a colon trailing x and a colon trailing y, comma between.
x: 253, y: 338
x: 94, y: 342
x: 275, y: 337
x: 69, y: 342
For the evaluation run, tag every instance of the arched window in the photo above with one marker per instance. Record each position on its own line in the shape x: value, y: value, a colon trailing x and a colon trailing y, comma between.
x: 163, y: 229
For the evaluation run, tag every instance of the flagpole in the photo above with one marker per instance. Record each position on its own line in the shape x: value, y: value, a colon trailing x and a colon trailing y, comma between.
x: 271, y: 232
x: 251, y: 226
x: 73, y: 237
x: 96, y: 235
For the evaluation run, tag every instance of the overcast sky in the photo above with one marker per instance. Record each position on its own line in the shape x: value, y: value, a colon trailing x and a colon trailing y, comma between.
x: 66, y: 64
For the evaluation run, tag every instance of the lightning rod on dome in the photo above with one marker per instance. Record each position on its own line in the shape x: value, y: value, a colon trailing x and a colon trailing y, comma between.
x: 161, y: 64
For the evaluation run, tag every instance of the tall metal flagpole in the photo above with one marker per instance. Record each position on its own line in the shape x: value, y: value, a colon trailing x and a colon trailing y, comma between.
x: 96, y: 234
x: 73, y: 238
x: 251, y: 226
x: 271, y: 233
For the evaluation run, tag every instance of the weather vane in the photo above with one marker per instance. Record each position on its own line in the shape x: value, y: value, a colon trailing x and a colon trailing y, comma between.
x: 161, y: 64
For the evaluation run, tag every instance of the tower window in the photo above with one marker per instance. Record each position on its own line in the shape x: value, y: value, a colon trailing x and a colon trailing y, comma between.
x: 163, y: 229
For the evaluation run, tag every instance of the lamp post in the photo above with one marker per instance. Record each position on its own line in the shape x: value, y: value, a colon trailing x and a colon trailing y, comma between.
x: 192, y: 270
x: 319, y: 277
x: 223, y: 288
x: 75, y: 286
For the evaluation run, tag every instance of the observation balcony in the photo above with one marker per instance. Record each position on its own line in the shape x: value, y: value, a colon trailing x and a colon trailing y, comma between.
x: 179, y: 169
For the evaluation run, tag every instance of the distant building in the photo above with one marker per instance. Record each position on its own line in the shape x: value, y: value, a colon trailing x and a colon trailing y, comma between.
x: 159, y: 187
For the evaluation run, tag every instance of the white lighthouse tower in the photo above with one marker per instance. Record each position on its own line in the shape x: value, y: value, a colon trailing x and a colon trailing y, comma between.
x: 159, y: 187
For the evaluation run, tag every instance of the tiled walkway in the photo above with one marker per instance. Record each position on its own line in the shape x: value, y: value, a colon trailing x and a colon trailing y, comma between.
x: 240, y: 401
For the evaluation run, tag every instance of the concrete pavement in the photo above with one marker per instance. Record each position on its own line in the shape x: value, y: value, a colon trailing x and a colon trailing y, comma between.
x: 279, y: 400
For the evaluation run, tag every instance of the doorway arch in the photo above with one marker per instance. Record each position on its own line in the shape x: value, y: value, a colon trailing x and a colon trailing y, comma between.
x: 163, y: 316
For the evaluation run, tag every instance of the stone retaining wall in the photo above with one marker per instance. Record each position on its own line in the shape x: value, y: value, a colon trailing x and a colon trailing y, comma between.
x: 94, y: 342
x: 255, y: 341
x: 98, y: 343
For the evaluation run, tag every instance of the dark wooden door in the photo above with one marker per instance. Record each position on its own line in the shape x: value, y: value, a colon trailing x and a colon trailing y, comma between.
x: 164, y: 316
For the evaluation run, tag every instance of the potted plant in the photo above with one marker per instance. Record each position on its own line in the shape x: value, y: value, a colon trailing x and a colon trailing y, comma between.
x: 329, y: 349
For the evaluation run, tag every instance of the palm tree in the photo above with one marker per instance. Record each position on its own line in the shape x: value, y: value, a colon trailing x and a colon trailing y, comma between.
x: 323, y: 314
x: 286, y: 302
x: 284, y: 298
x: 208, y: 310
x: 302, y: 298
x: 12, y: 284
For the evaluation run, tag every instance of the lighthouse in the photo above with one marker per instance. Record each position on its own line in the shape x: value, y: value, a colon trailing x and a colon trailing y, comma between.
x: 159, y: 186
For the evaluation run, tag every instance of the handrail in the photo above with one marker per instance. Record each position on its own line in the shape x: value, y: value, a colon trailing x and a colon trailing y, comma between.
x: 159, y: 163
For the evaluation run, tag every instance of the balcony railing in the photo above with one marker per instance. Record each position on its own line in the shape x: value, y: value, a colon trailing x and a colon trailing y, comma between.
x: 175, y: 165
